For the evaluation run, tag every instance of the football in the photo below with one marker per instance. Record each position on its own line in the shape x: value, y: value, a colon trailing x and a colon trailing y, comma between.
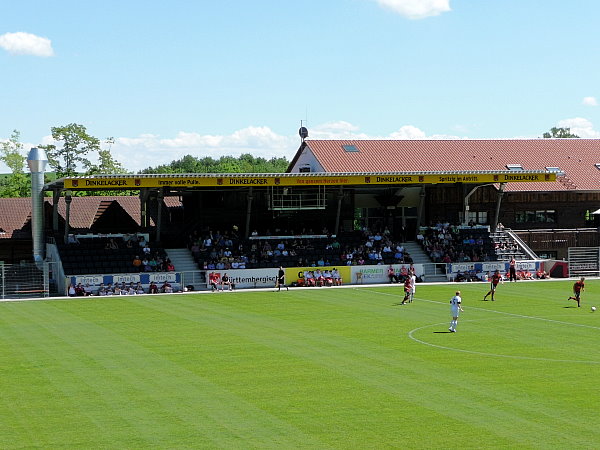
x: 593, y: 308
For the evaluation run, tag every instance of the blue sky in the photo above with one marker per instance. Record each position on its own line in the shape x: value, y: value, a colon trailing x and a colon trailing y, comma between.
x: 212, y: 78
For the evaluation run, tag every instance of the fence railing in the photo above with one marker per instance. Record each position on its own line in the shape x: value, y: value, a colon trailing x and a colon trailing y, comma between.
x: 25, y: 280
x: 559, y: 238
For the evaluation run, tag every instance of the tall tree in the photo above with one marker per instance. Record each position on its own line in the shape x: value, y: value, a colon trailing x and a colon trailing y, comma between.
x: 246, y: 163
x: 106, y: 163
x: 16, y: 184
x: 76, y: 147
x: 559, y: 133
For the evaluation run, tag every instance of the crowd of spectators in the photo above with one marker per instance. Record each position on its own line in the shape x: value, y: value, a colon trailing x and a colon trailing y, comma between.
x: 216, y: 250
x: 320, y: 278
x: 445, y: 243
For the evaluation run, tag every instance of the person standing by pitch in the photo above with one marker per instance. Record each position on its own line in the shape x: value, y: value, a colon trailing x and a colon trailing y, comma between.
x: 455, y: 309
x: 512, y: 270
x: 281, y: 279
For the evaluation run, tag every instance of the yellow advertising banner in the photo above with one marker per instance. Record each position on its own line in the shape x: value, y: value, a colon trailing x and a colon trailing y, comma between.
x: 137, y: 182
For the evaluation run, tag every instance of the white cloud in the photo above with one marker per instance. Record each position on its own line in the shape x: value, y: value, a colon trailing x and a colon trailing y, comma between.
x: 408, y: 132
x: 590, y: 101
x: 416, y: 9
x: 26, y: 44
x: 150, y: 150
x: 580, y: 126
x: 335, y: 130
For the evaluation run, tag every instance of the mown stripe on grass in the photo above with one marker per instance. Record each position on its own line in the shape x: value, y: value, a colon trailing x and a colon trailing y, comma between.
x: 394, y: 372
x: 134, y: 396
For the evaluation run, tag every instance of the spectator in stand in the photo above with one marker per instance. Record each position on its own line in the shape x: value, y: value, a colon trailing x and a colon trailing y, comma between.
x: 167, y: 288
x: 170, y: 266
x: 328, y: 278
x: 139, y: 289
x: 213, y: 281
x: 137, y: 263
x: 195, y: 249
x: 319, y: 279
x: 337, y: 278
x: 392, y: 274
x: 309, y: 278
x: 226, y: 281
x: 153, y: 289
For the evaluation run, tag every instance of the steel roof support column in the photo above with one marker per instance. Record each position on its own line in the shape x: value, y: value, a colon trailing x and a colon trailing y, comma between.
x: 498, y: 203
x: 159, y: 202
x: 249, y: 198
x: 144, y: 193
x: 340, y: 197
x: 55, y: 200
x: 68, y: 200
x: 421, y: 208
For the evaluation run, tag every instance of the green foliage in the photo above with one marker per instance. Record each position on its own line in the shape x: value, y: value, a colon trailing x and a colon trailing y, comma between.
x: 16, y: 184
x: 559, y: 133
x: 309, y: 368
x: 246, y: 163
x: 75, y: 150
x: 106, y: 163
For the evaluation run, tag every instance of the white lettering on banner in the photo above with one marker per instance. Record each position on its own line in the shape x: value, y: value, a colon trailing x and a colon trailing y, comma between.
x: 492, y: 267
x: 379, y: 275
x: 462, y: 267
x: 93, y: 280
x: 163, y: 276
x: 126, y: 278
x: 525, y: 265
x: 372, y: 273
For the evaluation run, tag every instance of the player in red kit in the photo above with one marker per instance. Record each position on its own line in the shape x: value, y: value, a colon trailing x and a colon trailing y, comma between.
x: 496, y: 278
x: 407, y: 290
x: 578, y: 288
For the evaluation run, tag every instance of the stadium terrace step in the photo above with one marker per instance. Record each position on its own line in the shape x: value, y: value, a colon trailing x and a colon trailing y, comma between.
x: 182, y: 259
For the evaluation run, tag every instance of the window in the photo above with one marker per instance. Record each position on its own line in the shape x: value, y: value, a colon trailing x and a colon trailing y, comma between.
x: 555, y: 170
x: 350, y: 148
x: 539, y: 216
x: 515, y: 167
x: 478, y: 217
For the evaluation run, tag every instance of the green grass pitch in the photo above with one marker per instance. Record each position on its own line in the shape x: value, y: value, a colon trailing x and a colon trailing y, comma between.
x: 309, y: 368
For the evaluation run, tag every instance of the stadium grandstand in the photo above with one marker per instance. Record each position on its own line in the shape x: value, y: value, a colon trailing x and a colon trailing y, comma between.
x: 443, y: 206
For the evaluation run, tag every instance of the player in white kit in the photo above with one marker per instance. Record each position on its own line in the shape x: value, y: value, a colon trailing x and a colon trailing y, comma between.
x: 455, y: 309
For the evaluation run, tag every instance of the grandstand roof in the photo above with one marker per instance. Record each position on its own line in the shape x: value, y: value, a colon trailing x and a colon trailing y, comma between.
x: 577, y: 160
x: 15, y: 213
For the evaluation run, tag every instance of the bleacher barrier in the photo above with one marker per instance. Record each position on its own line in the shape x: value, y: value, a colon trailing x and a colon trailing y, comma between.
x: 584, y: 261
x: 25, y: 280
x: 483, y: 269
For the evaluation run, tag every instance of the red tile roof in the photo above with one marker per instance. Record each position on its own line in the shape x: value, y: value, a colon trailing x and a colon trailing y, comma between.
x: 15, y: 212
x: 575, y: 157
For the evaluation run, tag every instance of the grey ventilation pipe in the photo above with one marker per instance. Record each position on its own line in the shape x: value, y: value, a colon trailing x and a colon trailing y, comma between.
x: 37, y: 162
